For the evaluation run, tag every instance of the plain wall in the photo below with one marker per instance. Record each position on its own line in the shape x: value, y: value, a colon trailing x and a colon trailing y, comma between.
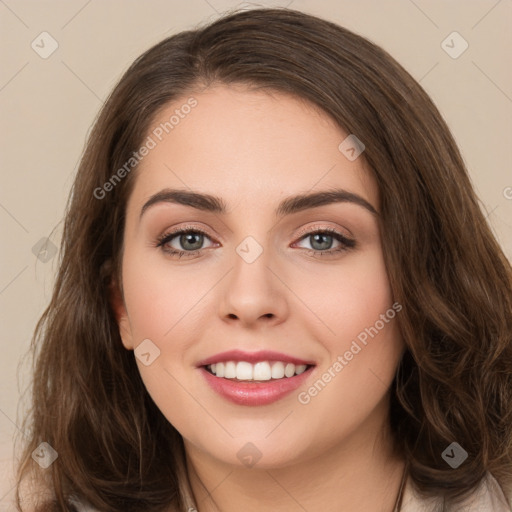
x: 49, y: 104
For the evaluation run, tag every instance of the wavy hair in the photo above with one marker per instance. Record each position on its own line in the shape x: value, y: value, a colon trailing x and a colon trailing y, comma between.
x: 454, y: 383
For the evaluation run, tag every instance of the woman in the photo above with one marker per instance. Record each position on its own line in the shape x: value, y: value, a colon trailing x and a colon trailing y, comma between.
x: 369, y: 369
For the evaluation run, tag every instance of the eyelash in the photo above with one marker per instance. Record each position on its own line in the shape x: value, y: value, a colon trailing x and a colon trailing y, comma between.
x: 346, y: 243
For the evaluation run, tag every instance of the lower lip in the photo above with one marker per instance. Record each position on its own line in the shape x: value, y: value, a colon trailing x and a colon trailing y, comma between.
x: 255, y: 393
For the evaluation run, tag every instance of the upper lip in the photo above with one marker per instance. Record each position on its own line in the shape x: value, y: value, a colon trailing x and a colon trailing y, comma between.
x: 253, y: 357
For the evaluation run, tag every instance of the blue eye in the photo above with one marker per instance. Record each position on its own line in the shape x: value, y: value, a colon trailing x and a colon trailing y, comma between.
x: 322, y: 240
x: 192, y: 239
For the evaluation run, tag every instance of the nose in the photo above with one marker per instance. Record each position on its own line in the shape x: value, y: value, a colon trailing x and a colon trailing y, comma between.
x: 253, y: 292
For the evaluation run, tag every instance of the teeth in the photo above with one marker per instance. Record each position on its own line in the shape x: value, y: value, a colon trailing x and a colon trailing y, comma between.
x: 230, y: 370
x: 244, y: 371
x: 301, y: 368
x: 261, y: 371
x: 278, y: 370
x: 289, y: 370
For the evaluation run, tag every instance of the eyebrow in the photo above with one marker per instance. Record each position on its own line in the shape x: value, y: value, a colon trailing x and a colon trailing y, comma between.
x: 293, y: 204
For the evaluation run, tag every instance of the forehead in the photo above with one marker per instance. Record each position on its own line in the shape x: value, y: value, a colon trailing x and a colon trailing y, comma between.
x: 247, y: 145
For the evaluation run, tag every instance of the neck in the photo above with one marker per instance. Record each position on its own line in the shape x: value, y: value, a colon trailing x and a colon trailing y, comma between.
x: 361, y: 473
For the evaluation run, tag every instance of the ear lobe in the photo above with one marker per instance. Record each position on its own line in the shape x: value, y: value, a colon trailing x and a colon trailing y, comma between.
x: 119, y: 308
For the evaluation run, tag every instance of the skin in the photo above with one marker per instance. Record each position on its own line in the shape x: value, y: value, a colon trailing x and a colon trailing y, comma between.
x: 253, y: 149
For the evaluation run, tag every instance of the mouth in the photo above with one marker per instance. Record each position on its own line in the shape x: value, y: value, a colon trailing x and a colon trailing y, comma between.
x: 255, y: 379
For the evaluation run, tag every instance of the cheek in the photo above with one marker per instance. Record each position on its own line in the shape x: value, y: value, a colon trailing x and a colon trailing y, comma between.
x: 354, y: 383
x: 161, y: 301
x: 162, y: 307
x: 359, y: 333
x: 347, y: 298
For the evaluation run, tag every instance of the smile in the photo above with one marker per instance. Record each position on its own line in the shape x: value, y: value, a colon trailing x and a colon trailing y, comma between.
x: 260, y: 371
x: 254, y: 378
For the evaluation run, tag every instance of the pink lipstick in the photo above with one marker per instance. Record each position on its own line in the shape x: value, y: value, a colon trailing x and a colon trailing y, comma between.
x: 254, y: 378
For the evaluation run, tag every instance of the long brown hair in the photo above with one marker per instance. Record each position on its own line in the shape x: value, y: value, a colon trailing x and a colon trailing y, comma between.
x: 454, y: 384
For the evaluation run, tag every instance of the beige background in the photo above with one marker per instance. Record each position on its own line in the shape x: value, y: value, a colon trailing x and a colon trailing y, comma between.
x: 48, y: 106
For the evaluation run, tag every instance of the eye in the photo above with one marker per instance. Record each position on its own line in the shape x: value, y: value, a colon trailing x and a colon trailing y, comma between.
x: 321, y: 241
x: 190, y: 239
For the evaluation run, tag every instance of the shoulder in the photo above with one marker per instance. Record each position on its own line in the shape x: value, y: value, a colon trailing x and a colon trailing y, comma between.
x: 487, y: 497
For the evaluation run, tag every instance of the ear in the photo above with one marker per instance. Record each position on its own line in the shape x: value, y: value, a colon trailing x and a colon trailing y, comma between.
x: 119, y: 308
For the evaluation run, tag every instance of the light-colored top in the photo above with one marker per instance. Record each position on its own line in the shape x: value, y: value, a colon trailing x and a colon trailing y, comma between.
x: 488, y: 497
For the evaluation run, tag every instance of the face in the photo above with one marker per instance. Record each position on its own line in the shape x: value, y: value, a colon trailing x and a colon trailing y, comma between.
x: 256, y: 284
